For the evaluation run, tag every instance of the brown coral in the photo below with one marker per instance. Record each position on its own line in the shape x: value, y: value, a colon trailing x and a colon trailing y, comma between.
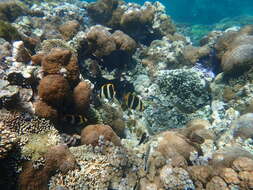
x: 234, y: 49
x: 45, y: 111
x: 101, y: 11
x: 57, y: 158
x: 81, y: 95
x: 37, y: 58
x: 92, y: 133
x: 238, y: 59
x: 201, y: 174
x: 174, y: 146
x: 64, y: 62
x: 216, y: 183
x: 124, y: 42
x: 69, y: 29
x: 193, y: 54
x: 100, y: 41
x: 54, y: 89
x: 197, y: 131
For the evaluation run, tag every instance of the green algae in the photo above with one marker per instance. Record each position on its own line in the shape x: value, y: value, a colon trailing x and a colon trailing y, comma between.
x: 38, y: 145
x: 8, y: 32
x: 10, y: 10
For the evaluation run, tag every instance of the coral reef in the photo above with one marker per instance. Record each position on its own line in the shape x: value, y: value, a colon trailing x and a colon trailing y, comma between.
x: 106, y: 166
x: 143, y: 23
x: 56, y: 158
x: 195, y: 131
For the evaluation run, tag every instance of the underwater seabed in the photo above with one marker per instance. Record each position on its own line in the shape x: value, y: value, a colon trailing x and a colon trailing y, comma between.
x: 197, y: 31
x: 112, y: 95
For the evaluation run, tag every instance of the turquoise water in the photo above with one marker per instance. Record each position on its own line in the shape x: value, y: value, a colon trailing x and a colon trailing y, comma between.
x: 204, y: 11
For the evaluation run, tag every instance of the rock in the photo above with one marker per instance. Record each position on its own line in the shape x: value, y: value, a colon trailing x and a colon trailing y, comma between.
x: 5, y: 49
x: 20, y: 53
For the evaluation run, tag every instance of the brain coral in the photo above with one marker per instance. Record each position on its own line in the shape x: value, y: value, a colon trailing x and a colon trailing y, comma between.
x: 186, y: 89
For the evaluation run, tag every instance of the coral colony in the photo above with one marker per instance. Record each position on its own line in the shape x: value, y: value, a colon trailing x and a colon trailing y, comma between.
x: 110, y: 95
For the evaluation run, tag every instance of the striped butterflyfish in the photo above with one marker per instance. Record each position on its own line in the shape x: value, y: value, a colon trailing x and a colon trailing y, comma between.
x: 132, y: 101
x: 74, y: 119
x: 107, y: 91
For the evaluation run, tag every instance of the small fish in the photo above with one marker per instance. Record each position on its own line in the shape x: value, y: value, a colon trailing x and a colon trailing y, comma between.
x: 146, y: 158
x: 132, y: 101
x: 75, y: 119
x: 144, y: 138
x: 107, y: 91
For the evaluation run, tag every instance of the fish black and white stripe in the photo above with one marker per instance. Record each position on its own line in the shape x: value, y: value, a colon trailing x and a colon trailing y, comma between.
x: 107, y: 91
x: 74, y: 119
x: 133, y: 102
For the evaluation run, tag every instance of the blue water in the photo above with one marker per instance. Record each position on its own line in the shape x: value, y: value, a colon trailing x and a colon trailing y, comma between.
x: 204, y: 11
